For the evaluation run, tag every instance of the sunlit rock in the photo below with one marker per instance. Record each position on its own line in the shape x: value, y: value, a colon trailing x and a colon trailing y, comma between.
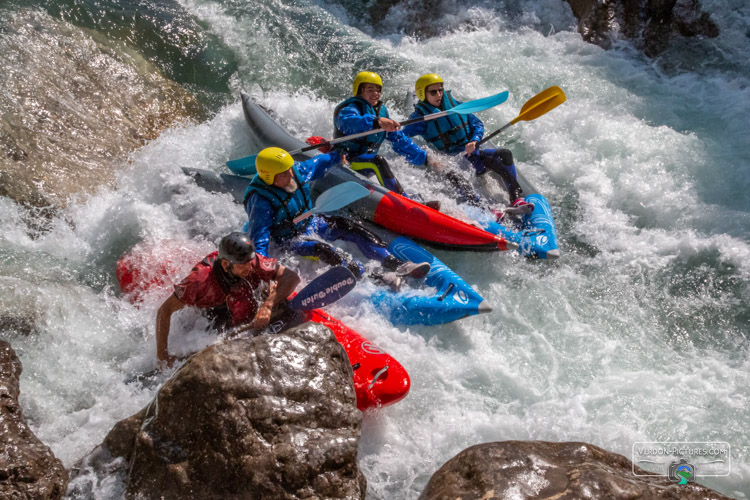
x: 28, y: 469
x: 73, y: 105
x: 273, y: 416
x: 543, y: 470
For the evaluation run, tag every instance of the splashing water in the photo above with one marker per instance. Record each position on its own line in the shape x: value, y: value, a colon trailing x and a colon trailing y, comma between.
x: 638, y: 333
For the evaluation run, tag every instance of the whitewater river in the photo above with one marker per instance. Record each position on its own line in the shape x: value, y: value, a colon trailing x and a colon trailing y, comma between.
x: 638, y: 333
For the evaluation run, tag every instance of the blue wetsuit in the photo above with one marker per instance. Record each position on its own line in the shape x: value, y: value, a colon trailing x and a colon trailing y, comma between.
x: 450, y: 134
x: 270, y: 212
x: 356, y: 115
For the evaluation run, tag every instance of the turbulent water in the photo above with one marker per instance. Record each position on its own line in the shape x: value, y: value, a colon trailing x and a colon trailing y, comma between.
x: 639, y: 332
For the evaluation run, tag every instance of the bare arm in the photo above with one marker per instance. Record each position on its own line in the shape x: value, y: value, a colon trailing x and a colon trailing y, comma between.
x: 286, y: 281
x: 163, y: 321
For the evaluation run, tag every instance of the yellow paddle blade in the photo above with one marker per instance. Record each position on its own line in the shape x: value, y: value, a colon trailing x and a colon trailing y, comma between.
x: 544, y: 101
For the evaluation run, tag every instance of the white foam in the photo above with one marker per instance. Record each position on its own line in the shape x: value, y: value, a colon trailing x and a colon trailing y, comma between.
x: 631, y: 336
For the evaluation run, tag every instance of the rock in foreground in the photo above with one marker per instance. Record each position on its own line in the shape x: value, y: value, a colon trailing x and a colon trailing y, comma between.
x: 268, y: 417
x: 543, y: 470
x: 28, y: 469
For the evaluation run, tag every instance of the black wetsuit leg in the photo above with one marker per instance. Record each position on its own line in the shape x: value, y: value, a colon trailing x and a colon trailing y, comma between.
x: 332, y: 256
x: 500, y: 161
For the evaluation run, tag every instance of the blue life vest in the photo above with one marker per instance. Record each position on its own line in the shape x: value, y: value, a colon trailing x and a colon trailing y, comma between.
x: 450, y: 133
x: 286, y: 206
x: 363, y: 145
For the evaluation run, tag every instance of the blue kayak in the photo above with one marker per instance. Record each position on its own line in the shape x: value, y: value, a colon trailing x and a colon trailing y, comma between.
x: 454, y: 299
x: 534, y: 233
x: 451, y: 299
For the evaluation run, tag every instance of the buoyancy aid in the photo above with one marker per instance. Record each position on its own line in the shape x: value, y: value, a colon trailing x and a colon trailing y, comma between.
x: 362, y: 145
x: 286, y: 206
x: 449, y: 133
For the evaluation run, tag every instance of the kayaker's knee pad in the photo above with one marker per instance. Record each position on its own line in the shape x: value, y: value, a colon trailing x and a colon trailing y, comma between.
x: 369, y: 165
x: 505, y: 156
x: 328, y: 254
x: 357, y: 268
x: 392, y: 262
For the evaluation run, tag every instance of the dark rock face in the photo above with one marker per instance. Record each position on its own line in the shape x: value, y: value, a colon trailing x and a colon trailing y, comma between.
x: 539, y: 469
x: 269, y: 417
x: 650, y: 23
x: 28, y: 469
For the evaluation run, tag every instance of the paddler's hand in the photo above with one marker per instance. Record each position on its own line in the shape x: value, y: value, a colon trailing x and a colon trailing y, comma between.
x: 262, y: 319
x: 388, y: 125
x: 471, y: 147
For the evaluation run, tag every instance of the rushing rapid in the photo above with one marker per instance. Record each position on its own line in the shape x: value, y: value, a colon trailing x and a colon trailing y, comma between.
x: 639, y: 332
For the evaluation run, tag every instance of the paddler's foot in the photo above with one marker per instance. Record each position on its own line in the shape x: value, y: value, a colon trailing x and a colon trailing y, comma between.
x: 433, y: 204
x: 520, y: 207
x: 413, y: 269
x: 403, y: 268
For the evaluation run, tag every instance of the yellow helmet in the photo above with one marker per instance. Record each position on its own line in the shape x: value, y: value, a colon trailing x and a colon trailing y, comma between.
x: 365, y: 77
x: 425, y: 81
x: 272, y: 161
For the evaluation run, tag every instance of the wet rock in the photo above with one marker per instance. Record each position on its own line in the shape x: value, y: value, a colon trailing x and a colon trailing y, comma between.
x: 73, y: 105
x: 16, y: 325
x: 269, y: 417
x: 651, y: 24
x: 540, y: 469
x: 28, y: 469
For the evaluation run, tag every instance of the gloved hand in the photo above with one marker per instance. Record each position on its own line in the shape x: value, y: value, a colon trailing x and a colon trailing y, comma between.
x: 316, y: 139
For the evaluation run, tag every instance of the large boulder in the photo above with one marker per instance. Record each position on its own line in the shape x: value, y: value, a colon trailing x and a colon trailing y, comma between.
x: 543, y: 470
x: 28, y: 469
x: 73, y: 105
x: 273, y: 416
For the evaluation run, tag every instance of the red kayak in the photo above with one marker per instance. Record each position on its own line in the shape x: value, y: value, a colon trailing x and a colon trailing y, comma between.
x: 379, y: 380
x: 383, y: 207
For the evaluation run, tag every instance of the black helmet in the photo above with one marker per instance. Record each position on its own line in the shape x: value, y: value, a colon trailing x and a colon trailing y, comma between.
x: 237, y: 248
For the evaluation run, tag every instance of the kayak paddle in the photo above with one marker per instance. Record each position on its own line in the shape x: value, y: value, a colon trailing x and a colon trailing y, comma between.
x: 335, y: 198
x: 325, y: 289
x: 544, y: 101
x: 246, y: 166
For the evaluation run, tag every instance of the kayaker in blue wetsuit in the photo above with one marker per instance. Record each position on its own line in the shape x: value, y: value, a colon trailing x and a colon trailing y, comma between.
x: 455, y: 133
x: 280, y: 191
x: 365, y: 111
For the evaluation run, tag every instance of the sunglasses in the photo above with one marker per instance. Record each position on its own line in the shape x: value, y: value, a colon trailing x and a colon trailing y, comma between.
x: 435, y: 92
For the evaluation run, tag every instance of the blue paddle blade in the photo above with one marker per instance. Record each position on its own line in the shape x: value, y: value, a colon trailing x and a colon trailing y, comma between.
x: 246, y: 165
x: 243, y: 166
x: 325, y: 289
x: 340, y: 196
x: 476, y: 105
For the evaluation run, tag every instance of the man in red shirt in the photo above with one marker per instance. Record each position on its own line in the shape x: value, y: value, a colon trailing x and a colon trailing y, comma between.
x: 237, y: 285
